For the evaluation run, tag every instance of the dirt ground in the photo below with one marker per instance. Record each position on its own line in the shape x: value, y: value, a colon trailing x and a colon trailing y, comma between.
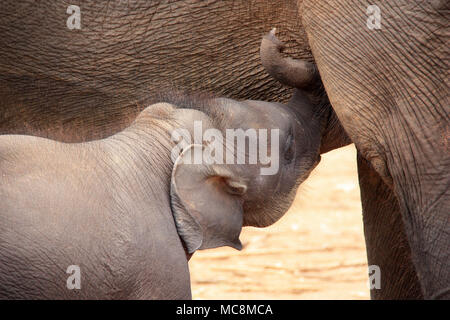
x: 316, y: 251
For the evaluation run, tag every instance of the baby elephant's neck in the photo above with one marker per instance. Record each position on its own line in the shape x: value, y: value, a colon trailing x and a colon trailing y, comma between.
x: 141, y: 155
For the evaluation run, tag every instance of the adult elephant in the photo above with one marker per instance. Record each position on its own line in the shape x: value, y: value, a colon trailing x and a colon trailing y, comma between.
x: 76, y: 85
x: 389, y: 88
x: 82, y: 84
x: 87, y: 83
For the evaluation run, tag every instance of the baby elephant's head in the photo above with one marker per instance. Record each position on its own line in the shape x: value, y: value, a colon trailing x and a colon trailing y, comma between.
x: 238, y: 163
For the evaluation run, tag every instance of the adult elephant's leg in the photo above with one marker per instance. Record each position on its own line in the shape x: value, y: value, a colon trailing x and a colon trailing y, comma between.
x: 386, y: 242
x: 389, y: 88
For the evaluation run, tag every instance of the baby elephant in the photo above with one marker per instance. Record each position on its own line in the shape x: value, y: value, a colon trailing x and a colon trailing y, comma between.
x: 118, y: 218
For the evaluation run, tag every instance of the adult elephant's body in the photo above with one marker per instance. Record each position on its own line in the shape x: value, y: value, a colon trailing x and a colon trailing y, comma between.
x: 82, y: 84
x: 389, y: 88
x: 76, y: 85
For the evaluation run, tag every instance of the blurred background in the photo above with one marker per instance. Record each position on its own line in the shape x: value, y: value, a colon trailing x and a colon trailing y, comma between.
x: 316, y: 251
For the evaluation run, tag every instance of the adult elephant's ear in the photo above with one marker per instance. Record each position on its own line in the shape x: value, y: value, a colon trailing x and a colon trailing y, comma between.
x: 206, y: 202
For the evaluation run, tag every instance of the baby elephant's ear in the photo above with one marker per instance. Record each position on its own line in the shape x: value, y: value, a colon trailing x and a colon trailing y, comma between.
x: 206, y: 202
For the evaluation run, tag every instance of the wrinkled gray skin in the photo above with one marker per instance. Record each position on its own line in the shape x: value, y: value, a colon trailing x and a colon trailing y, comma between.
x: 79, y: 85
x: 389, y: 88
x: 129, y: 217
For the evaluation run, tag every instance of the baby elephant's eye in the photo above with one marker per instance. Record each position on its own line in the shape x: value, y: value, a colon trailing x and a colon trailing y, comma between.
x: 289, y: 148
x: 236, y: 188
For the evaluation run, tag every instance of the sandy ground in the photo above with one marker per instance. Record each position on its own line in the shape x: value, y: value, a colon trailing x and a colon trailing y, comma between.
x: 316, y: 251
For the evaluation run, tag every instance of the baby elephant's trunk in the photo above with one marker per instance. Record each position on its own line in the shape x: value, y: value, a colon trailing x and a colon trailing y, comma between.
x: 309, y: 98
x: 290, y: 72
